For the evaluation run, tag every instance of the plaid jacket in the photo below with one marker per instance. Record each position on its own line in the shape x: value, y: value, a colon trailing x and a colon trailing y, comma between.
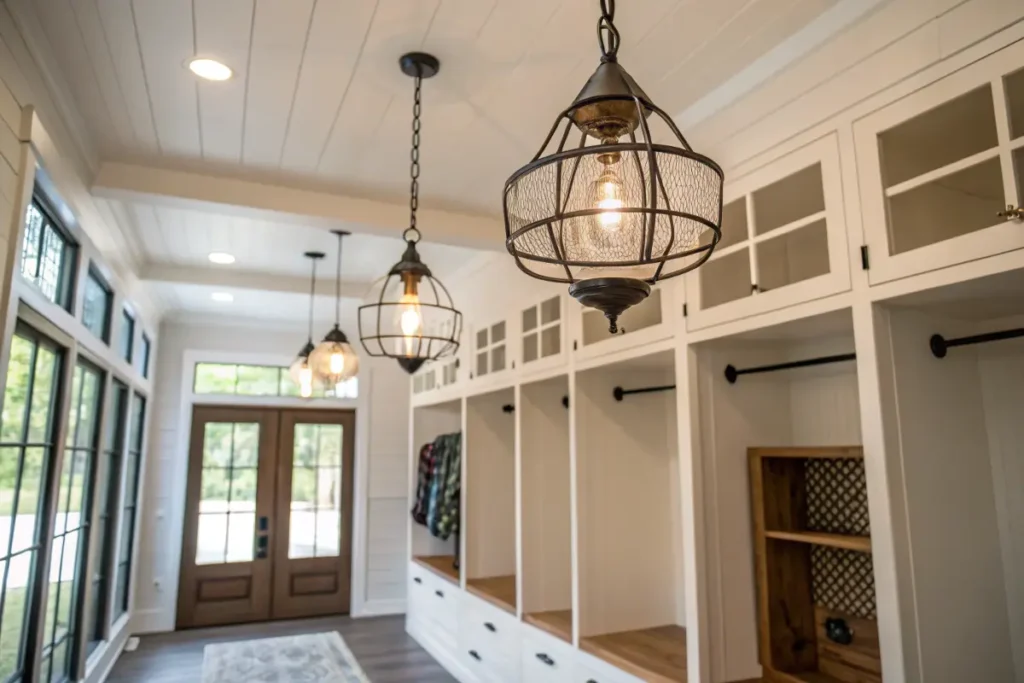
x: 445, y: 486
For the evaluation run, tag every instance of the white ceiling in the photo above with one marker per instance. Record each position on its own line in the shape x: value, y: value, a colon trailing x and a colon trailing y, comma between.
x: 318, y: 101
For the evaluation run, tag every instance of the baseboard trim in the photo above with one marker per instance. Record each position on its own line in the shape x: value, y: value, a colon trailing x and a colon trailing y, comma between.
x: 151, y: 621
x: 449, y: 660
x: 104, y: 664
x: 379, y: 608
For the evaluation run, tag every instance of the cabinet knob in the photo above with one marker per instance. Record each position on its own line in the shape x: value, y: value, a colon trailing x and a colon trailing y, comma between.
x: 475, y: 655
x: 1012, y: 213
x: 418, y: 580
x: 544, y: 658
x: 490, y: 627
x: 439, y: 594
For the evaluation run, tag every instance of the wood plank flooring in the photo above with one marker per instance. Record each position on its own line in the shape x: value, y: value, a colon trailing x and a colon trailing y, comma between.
x: 386, y: 653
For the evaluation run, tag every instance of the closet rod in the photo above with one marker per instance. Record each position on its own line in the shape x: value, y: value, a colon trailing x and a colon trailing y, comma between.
x: 731, y: 373
x: 940, y: 344
x: 619, y: 393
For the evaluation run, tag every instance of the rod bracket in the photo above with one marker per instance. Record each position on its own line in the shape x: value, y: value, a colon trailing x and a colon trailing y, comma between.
x: 619, y: 393
x: 938, y: 345
x: 731, y: 374
x: 508, y: 408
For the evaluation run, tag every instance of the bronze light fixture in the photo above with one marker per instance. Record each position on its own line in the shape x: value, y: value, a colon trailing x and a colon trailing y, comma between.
x: 410, y: 315
x: 300, y: 370
x: 619, y: 211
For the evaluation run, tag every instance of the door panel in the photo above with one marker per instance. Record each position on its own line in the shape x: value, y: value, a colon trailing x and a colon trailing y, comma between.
x: 312, y: 560
x: 226, y: 567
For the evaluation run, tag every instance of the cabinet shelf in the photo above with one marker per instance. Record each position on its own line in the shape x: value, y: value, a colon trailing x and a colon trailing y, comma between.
x: 500, y: 591
x: 557, y: 623
x: 657, y: 654
x: 442, y: 565
x: 859, y: 543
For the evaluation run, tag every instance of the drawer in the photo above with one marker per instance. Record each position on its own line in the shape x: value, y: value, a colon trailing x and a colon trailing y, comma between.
x: 591, y: 670
x: 486, y: 665
x: 546, y: 659
x: 442, y: 604
x: 490, y: 627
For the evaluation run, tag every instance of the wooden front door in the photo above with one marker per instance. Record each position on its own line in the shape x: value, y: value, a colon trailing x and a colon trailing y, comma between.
x: 268, y: 515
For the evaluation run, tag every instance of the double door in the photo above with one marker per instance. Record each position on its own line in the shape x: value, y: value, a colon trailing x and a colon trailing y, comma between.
x: 268, y: 517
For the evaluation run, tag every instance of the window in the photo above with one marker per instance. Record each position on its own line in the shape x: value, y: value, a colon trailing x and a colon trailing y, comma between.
x: 315, y: 515
x: 227, y: 506
x: 144, y: 355
x: 112, y: 460
x: 128, y: 509
x: 47, y: 255
x: 71, y: 525
x: 26, y: 444
x: 96, y: 304
x: 228, y: 379
x: 127, y: 343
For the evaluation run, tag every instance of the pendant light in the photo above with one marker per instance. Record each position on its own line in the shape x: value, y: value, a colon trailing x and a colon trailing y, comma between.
x: 618, y: 211
x: 410, y: 315
x: 334, y: 360
x: 300, y: 371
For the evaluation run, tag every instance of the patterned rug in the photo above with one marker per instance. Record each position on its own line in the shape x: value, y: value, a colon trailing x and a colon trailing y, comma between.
x: 311, y: 658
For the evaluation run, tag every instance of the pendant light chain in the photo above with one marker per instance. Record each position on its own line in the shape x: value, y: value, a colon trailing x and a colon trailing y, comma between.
x: 414, y: 166
x: 337, y: 285
x: 607, y: 34
x: 312, y: 294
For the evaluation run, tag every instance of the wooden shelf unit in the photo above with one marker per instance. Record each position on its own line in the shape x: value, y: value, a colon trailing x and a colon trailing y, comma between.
x: 657, y: 655
x: 558, y: 624
x: 442, y: 565
x: 500, y: 591
x: 806, y: 577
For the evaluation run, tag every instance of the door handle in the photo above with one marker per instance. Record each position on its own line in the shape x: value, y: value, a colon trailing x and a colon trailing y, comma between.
x: 261, y: 547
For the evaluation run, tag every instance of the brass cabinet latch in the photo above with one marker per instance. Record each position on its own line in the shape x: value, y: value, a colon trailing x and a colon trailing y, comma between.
x: 1012, y: 213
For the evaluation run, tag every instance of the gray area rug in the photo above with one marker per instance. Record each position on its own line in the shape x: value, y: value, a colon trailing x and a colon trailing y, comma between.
x: 311, y: 658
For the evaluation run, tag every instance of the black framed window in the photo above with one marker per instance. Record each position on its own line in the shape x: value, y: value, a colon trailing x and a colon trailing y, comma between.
x: 127, y: 340
x: 144, y: 352
x: 71, y: 526
x: 108, y: 503
x: 27, y: 433
x: 129, y: 507
x: 48, y: 254
x: 96, y: 304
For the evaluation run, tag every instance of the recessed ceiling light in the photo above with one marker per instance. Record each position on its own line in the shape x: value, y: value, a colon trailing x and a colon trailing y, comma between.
x: 210, y: 69
x: 223, y: 297
x: 221, y: 258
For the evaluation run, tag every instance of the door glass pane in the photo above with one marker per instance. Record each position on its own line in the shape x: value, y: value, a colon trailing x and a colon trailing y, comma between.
x: 793, y: 257
x: 227, y: 503
x: 950, y: 132
x: 1014, y: 84
x: 725, y: 279
x: 790, y: 199
x: 954, y: 205
x: 314, y: 527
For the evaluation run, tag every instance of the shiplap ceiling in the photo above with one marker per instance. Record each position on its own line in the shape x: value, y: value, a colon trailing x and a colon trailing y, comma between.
x: 317, y: 100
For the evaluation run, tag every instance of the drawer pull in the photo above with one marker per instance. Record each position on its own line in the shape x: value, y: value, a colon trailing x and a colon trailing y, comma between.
x: 475, y: 655
x: 544, y: 658
x: 418, y: 580
x: 490, y: 627
x: 439, y: 594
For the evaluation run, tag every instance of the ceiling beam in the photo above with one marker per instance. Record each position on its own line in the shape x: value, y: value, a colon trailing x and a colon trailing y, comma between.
x: 263, y: 201
x: 230, y: 278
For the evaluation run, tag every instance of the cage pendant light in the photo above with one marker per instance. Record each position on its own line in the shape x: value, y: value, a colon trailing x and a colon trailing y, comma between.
x: 300, y: 370
x: 409, y: 315
x: 334, y: 360
x: 609, y: 209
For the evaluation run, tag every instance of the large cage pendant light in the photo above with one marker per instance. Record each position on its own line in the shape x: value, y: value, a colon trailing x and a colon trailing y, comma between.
x: 334, y: 360
x: 409, y: 315
x: 613, y: 211
x: 300, y: 371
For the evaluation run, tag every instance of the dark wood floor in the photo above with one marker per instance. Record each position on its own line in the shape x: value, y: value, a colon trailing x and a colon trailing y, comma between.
x: 381, y: 645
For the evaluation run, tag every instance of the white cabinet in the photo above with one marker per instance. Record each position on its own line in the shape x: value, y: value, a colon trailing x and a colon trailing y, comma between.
x: 546, y: 659
x: 489, y: 641
x: 939, y: 165
x: 783, y: 240
x: 543, y: 335
x: 647, y: 322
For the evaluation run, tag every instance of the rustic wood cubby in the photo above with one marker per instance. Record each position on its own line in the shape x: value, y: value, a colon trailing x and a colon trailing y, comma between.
x: 816, y: 595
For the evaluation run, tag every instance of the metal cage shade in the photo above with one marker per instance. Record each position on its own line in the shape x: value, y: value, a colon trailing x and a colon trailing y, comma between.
x: 387, y: 322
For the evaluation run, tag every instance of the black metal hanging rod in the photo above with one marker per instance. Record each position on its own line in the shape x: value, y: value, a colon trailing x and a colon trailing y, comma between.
x: 940, y: 344
x: 731, y: 373
x: 619, y: 393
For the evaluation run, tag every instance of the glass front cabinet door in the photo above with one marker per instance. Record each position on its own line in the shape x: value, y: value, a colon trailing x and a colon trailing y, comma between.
x: 543, y: 334
x: 940, y: 167
x: 783, y: 240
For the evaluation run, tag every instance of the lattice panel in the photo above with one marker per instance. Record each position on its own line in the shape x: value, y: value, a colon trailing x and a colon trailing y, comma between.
x: 837, y: 496
x: 843, y: 581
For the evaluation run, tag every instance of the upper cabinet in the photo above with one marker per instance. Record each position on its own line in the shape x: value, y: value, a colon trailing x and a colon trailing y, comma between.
x: 493, y: 353
x: 783, y: 239
x: 543, y: 335
x: 938, y: 167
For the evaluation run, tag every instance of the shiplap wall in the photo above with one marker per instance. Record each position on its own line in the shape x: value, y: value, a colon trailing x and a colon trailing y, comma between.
x: 157, y: 575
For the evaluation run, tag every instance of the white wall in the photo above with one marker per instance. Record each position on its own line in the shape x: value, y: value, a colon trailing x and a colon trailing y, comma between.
x: 381, y: 440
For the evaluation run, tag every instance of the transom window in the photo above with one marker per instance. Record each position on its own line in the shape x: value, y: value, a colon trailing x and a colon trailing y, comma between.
x: 47, y: 255
x: 231, y: 379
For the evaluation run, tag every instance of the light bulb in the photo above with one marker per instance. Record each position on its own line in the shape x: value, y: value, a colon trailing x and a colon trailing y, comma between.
x: 608, y: 196
x: 337, y: 362
x: 305, y: 380
x: 410, y: 321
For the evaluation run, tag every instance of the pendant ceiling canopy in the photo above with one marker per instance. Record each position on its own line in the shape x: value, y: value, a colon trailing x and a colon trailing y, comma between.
x: 409, y: 315
x: 606, y: 207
